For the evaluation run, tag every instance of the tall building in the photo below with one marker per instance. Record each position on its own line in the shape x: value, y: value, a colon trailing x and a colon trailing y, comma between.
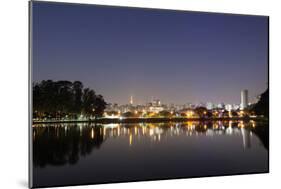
x: 131, y: 100
x: 244, y: 99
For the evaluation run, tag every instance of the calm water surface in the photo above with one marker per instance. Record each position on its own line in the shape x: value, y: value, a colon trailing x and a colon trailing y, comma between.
x: 67, y: 154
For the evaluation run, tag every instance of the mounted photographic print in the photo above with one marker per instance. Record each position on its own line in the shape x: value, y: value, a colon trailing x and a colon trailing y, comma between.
x: 120, y: 94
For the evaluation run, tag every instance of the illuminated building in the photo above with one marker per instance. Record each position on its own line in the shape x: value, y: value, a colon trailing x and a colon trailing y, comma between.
x: 209, y: 105
x: 131, y: 100
x: 244, y: 99
x: 155, y: 106
x: 155, y: 109
x: 221, y: 105
x: 156, y: 102
x: 228, y: 107
x: 235, y: 106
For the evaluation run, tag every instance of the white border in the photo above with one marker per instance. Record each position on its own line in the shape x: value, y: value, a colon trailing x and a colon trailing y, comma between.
x: 14, y: 91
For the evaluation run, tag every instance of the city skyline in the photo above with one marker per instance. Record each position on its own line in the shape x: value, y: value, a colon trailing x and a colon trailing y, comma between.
x: 133, y: 101
x: 178, y: 57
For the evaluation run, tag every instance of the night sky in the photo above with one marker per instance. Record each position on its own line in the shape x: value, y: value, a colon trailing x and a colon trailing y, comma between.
x: 178, y: 57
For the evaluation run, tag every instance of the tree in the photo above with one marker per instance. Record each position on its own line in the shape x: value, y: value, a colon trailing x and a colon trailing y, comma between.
x: 165, y: 113
x: 234, y: 113
x: 78, y: 92
x: 201, y: 111
x: 89, y: 99
x: 64, y: 96
x: 262, y: 106
x: 56, y: 99
x: 99, y: 106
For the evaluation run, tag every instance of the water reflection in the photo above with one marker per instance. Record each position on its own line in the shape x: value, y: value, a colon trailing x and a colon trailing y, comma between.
x: 60, y: 144
x: 64, y: 143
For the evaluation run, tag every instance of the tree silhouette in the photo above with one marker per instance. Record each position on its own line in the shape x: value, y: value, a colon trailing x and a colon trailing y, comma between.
x: 78, y: 92
x: 55, y: 99
x: 262, y: 106
x: 201, y: 111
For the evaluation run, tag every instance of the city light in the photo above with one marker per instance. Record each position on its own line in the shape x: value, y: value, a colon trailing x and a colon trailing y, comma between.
x: 156, y: 109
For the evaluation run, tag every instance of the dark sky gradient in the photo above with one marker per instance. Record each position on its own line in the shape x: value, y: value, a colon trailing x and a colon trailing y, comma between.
x: 178, y: 57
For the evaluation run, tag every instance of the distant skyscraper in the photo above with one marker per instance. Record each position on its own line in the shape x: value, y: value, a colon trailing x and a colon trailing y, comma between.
x: 244, y: 99
x: 131, y: 100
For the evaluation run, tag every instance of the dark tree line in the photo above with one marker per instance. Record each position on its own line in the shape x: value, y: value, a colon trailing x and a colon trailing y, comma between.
x: 262, y: 106
x: 57, y: 99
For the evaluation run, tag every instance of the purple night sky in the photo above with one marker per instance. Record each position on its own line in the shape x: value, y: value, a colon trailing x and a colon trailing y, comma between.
x: 178, y: 57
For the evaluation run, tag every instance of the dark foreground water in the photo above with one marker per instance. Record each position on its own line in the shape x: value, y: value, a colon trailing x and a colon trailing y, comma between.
x: 69, y: 154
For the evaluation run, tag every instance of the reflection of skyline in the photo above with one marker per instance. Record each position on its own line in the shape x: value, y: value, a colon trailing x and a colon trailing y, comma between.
x: 64, y: 143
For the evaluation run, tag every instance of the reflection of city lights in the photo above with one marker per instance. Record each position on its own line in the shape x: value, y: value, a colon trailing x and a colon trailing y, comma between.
x: 130, y: 139
x: 58, y: 130
x: 151, y: 132
x: 253, y: 123
x: 155, y: 132
x: 118, y: 130
x: 104, y: 131
x: 92, y: 133
x: 80, y: 130
x: 110, y: 125
x: 216, y: 126
x: 114, y: 132
x: 65, y: 130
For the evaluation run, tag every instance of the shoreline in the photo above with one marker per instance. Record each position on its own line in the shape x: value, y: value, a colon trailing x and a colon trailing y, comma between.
x: 150, y: 120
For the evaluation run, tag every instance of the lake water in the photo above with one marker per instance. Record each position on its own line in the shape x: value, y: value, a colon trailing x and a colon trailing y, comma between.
x: 88, y: 153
